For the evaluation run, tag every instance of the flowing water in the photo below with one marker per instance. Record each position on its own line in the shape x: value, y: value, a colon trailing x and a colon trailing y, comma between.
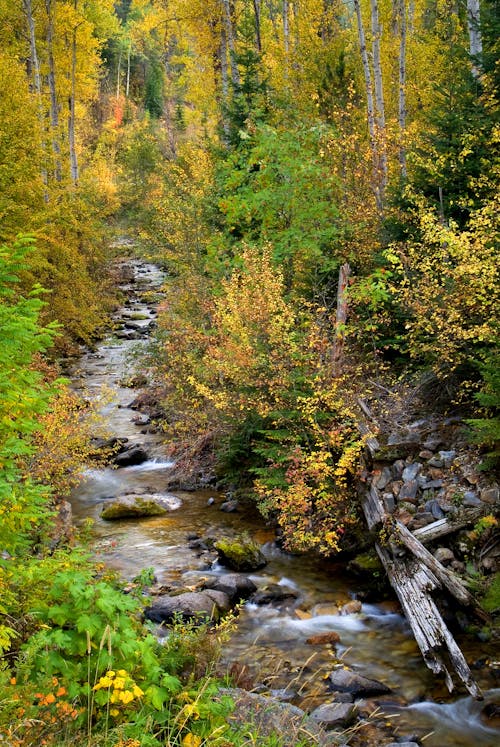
x: 270, y: 641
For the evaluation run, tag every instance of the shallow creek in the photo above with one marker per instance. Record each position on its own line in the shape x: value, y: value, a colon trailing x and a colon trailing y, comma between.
x: 269, y: 641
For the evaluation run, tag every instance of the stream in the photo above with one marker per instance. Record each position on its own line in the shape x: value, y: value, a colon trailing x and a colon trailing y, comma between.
x: 269, y: 640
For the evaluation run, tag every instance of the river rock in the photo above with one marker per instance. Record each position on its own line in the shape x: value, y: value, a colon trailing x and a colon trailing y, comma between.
x: 229, y: 507
x: 411, y: 471
x: 322, y: 639
x: 351, y: 608
x: 409, y: 491
x: 349, y: 682
x: 190, y: 605
x: 140, y: 506
x: 330, y: 715
x: 490, y: 495
x: 240, y: 554
x: 235, y: 585
x: 273, y: 593
x: 131, y: 456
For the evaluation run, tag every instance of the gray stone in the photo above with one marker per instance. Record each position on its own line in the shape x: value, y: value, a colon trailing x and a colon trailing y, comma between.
x: 235, y: 585
x: 191, y: 605
x: 409, y: 491
x: 397, y: 468
x: 435, y: 509
x: 402, y: 744
x: 351, y: 608
x: 490, y: 495
x: 431, y: 485
x: 132, y: 456
x: 411, y: 471
x: 384, y: 478
x: 444, y: 555
x: 229, y: 507
x: 426, y: 454
x: 349, y: 682
x: 330, y: 715
x: 448, y: 457
x: 389, y: 502
x: 470, y: 499
x: 436, y: 461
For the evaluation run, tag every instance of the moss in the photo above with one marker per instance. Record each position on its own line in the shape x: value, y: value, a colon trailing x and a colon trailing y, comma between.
x: 491, y: 600
x: 139, y: 508
x: 240, y: 554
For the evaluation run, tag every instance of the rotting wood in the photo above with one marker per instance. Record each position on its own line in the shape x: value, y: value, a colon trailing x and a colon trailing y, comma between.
x: 414, y: 575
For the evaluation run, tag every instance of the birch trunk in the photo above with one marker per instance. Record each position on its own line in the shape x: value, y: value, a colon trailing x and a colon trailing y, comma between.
x: 127, y: 85
x: 54, y: 107
x: 118, y: 75
x: 73, y: 158
x: 35, y: 64
x: 230, y: 39
x: 475, y: 39
x: 402, y: 87
x: 369, y: 107
x: 286, y: 27
x: 379, y: 97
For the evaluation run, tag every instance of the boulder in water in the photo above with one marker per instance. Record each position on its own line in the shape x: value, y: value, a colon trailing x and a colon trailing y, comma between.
x: 131, y: 456
x: 140, y: 506
x: 329, y: 715
x: 349, y: 682
x: 235, y: 585
x: 240, y: 554
x: 190, y: 605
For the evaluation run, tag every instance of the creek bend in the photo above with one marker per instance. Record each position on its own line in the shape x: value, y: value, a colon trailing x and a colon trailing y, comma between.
x: 269, y: 641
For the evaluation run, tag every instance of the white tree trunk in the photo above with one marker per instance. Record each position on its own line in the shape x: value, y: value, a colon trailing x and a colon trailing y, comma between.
x: 73, y: 158
x: 402, y: 87
x: 475, y: 39
x: 35, y: 64
x: 54, y: 106
x: 369, y: 106
x: 379, y: 97
x: 231, y: 44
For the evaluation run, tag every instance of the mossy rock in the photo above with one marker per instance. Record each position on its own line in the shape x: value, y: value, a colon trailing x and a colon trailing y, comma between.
x: 139, y: 507
x: 366, y: 564
x: 240, y: 554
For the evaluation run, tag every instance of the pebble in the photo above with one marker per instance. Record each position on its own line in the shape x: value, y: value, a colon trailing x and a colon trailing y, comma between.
x: 490, y: 495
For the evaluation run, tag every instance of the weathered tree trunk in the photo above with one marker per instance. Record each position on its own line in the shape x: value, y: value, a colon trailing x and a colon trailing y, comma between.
x: 54, y: 107
x: 37, y: 79
x: 230, y: 39
x: 402, y: 87
x: 475, y: 39
x: 340, y: 319
x: 73, y: 158
x: 376, y: 187
x: 257, y: 10
x: 379, y: 99
x: 443, y: 527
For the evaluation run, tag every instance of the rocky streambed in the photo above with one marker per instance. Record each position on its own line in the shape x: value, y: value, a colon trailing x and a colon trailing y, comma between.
x: 310, y: 635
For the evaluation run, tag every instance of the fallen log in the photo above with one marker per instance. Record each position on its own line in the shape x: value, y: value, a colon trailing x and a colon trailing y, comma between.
x: 443, y: 527
x: 414, y: 574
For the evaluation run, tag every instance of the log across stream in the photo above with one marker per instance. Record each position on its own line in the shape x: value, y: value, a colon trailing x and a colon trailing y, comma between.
x: 270, y: 640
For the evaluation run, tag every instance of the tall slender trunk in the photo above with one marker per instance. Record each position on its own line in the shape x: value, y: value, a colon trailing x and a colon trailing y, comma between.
x: 54, y: 107
x: 286, y: 27
x: 231, y: 44
x: 369, y: 107
x: 35, y: 64
x: 475, y: 38
x: 402, y: 87
x: 273, y: 18
x: 257, y: 9
x: 118, y: 74
x: 379, y: 96
x: 73, y: 158
x: 127, y: 85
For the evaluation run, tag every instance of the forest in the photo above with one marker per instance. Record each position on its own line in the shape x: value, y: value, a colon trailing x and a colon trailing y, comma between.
x: 319, y: 182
